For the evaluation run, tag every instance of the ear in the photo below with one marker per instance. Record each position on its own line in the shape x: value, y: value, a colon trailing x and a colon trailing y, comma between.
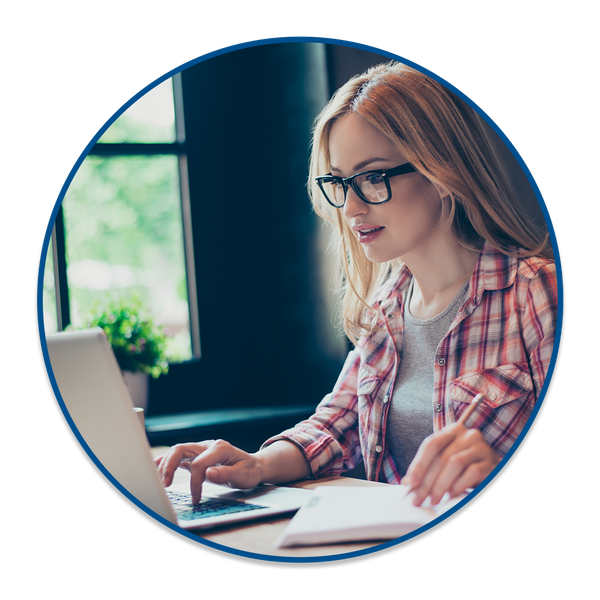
x: 441, y: 190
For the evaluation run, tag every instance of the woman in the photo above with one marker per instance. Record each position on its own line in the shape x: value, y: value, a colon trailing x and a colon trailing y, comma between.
x: 449, y: 292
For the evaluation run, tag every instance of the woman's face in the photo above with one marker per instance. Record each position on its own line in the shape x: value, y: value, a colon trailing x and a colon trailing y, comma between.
x: 410, y: 222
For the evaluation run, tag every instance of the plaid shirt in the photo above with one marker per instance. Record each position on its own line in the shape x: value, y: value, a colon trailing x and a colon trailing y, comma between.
x: 499, y: 344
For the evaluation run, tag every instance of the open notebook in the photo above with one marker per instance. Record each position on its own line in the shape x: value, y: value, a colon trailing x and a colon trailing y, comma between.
x: 343, y: 514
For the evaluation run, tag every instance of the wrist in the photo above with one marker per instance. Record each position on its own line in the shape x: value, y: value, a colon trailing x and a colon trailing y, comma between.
x: 260, y: 464
x: 281, y: 462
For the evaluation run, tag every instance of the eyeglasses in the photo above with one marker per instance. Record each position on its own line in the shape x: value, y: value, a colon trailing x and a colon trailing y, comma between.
x: 372, y: 187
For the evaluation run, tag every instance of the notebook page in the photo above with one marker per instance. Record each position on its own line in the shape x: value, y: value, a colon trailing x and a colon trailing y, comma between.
x: 343, y: 513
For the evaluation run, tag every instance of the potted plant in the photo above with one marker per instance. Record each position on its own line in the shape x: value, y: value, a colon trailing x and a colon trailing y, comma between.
x: 139, y: 345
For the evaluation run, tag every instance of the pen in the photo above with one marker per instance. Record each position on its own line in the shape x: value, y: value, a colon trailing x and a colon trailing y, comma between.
x: 461, y: 421
x: 470, y: 409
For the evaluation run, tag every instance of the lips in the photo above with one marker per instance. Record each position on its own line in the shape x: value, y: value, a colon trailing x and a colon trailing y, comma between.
x: 367, y: 233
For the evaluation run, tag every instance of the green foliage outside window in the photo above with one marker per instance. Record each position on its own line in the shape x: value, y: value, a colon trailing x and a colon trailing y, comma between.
x: 123, y: 226
x: 124, y: 234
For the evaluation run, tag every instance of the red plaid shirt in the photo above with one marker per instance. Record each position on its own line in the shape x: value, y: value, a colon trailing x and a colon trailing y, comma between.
x: 499, y: 344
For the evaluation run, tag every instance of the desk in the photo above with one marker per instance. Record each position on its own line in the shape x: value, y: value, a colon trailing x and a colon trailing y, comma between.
x: 259, y: 536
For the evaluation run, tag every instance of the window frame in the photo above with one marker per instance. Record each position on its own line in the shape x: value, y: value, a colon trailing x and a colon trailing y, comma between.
x: 105, y: 149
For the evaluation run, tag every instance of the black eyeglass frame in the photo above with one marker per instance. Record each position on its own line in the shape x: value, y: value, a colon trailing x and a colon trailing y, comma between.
x: 349, y: 182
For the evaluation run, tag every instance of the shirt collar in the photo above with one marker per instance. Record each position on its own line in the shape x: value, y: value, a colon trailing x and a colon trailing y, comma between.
x: 493, y: 271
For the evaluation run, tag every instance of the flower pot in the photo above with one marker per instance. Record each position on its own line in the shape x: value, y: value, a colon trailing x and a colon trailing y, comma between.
x: 137, y: 384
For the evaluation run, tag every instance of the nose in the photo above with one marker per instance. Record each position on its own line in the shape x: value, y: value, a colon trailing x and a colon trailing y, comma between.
x: 354, y: 205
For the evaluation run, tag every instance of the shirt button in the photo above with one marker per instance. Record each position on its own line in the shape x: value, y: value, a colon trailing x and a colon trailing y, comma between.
x: 438, y: 408
x: 442, y: 361
x: 378, y: 449
x: 390, y: 315
x: 493, y: 396
x: 476, y: 298
x: 386, y: 399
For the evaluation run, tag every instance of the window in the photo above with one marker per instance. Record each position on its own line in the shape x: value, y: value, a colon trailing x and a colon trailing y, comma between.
x: 237, y: 256
x: 124, y: 223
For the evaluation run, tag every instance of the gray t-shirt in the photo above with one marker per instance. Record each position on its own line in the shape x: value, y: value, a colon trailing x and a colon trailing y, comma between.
x: 410, y: 416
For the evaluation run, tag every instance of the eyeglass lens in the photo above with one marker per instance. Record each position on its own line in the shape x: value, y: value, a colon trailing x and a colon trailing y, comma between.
x: 370, y: 187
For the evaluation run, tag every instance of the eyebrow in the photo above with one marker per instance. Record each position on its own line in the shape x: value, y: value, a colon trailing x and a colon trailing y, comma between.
x: 361, y: 165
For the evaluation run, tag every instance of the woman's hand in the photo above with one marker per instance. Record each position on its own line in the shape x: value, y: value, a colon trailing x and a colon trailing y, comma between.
x: 451, y: 460
x: 217, y: 461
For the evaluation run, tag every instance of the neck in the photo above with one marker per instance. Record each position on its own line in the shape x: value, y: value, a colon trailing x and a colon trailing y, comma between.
x: 439, y: 273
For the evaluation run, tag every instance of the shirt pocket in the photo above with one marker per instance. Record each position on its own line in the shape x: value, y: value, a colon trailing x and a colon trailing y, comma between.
x: 499, y: 385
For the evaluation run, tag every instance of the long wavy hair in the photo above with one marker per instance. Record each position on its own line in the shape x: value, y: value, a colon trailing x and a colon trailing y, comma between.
x: 443, y: 138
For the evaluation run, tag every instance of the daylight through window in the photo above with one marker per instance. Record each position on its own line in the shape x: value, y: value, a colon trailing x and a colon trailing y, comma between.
x: 123, y: 225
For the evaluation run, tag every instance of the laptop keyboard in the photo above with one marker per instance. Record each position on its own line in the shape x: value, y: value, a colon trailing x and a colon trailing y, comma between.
x: 212, y: 507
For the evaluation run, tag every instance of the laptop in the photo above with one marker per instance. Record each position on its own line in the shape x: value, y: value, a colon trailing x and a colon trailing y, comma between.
x: 90, y: 383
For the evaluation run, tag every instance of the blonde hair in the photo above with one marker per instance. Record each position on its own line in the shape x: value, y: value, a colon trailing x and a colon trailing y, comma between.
x: 443, y: 138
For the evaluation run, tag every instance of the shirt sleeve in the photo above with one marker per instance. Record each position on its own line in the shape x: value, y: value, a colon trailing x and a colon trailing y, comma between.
x: 329, y: 439
x: 539, y: 323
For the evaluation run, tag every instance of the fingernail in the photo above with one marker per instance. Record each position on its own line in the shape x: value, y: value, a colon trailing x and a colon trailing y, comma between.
x: 414, y: 499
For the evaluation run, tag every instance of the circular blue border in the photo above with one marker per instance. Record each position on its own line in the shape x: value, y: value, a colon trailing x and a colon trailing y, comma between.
x: 267, y: 557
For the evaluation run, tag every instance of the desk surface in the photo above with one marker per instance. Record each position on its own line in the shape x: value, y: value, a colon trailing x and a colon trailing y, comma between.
x: 259, y: 536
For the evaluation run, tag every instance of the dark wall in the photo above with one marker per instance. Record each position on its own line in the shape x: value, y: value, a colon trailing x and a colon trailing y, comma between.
x: 248, y: 117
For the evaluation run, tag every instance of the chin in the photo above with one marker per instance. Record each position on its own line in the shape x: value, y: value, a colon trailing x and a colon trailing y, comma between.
x: 378, y: 258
